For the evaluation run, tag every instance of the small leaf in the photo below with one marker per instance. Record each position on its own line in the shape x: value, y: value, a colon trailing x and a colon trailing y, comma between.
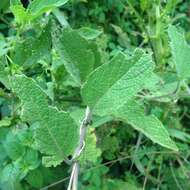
x: 150, y: 126
x: 5, y: 122
x: 89, y: 33
x: 180, y: 52
x: 113, y: 84
x: 38, y: 7
x: 20, y: 13
x: 91, y: 152
x: 49, y: 161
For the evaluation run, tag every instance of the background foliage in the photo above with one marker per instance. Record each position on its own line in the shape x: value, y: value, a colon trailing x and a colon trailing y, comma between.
x: 61, y: 55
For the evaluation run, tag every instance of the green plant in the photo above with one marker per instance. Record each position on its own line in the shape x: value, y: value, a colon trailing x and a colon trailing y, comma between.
x: 67, y: 102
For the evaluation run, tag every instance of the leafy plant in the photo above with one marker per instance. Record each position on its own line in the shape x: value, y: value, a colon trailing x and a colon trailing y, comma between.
x: 113, y: 103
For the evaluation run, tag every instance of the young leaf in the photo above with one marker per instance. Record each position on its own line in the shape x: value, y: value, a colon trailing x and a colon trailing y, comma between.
x: 91, y: 152
x: 76, y: 53
x: 150, y: 126
x: 20, y: 13
x: 38, y: 7
x: 180, y: 52
x: 113, y: 84
x: 5, y: 122
x: 57, y: 134
x: 89, y: 33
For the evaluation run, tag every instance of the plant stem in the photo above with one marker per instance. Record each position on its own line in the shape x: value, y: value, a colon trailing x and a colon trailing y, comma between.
x: 73, y: 183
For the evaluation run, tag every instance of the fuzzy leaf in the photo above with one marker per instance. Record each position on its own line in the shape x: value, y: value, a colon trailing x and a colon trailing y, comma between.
x: 77, y: 54
x: 57, y: 134
x: 180, y: 52
x: 113, y: 84
x: 150, y: 126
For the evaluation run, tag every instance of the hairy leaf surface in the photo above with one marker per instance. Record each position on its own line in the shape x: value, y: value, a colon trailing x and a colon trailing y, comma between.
x: 150, y: 126
x: 113, y: 84
x: 180, y: 52
x: 57, y: 134
x: 77, y: 54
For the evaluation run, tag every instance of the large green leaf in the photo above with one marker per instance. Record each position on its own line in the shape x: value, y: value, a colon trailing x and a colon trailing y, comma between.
x: 180, y: 52
x: 150, y: 126
x: 38, y: 7
x: 56, y: 134
x: 77, y: 54
x: 113, y: 84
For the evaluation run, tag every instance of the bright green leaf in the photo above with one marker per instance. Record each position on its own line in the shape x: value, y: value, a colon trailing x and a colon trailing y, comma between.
x: 113, y: 84
x: 57, y: 134
x: 38, y: 7
x: 20, y: 13
x: 150, y: 126
x: 89, y: 33
x: 90, y: 152
x: 76, y: 53
x: 5, y: 122
x: 180, y: 52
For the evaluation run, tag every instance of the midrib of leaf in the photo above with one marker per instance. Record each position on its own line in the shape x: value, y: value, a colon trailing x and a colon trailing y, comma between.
x: 138, y: 66
x: 47, y: 116
x: 120, y: 57
x: 43, y: 112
